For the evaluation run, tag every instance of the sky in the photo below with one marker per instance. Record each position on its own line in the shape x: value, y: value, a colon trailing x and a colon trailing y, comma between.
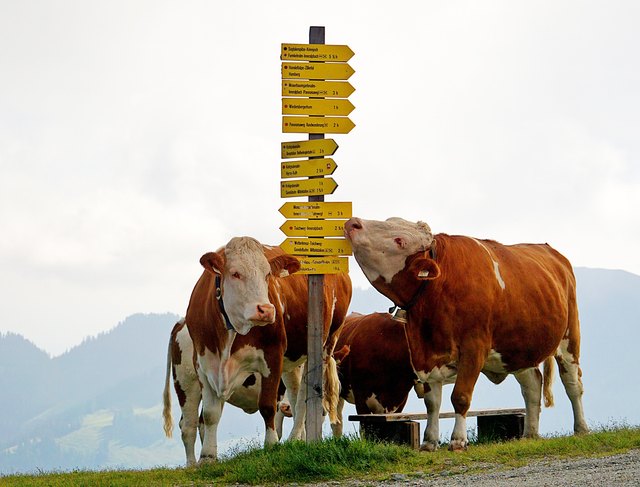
x: 137, y: 135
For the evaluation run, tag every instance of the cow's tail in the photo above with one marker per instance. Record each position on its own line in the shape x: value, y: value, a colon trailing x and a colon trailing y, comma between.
x: 166, y: 396
x: 547, y: 381
x: 331, y: 389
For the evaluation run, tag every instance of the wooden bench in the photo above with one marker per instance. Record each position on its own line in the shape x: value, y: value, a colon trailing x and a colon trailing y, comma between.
x: 402, y: 428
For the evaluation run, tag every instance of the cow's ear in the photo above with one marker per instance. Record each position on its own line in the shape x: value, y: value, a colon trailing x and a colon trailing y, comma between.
x: 212, y: 262
x: 283, y: 265
x: 425, y: 269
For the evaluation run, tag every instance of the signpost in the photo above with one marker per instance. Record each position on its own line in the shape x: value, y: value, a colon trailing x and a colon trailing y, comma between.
x: 324, y: 89
x: 313, y: 228
x: 317, y: 210
x: 308, y: 148
x: 317, y: 125
x: 309, y: 168
x: 323, y: 265
x: 314, y: 92
x: 307, y: 187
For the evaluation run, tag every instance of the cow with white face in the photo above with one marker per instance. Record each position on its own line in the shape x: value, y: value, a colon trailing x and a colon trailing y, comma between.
x: 475, y: 306
x: 247, y: 316
x: 236, y: 331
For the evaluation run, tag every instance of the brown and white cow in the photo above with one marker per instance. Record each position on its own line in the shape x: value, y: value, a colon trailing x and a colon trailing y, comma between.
x: 373, y: 365
x: 180, y: 366
x: 475, y: 306
x: 244, y: 318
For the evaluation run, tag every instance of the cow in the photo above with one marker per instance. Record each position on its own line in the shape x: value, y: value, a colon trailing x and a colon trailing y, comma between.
x: 180, y: 366
x: 373, y: 365
x: 246, y: 317
x: 475, y: 306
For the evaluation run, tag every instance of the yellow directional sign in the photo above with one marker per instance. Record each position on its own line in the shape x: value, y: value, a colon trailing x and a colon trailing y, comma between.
x: 308, y: 148
x: 311, y: 106
x: 317, y: 209
x: 307, y: 187
x: 307, y: 168
x: 313, y: 228
x: 323, y: 265
x: 317, y: 125
x: 318, y: 89
x: 340, y: 71
x: 316, y: 246
x: 315, y: 52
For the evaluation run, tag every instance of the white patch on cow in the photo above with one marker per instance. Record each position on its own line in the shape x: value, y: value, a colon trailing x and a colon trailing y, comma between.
x: 496, y: 266
x: 445, y: 374
x: 494, y: 363
x: 374, y: 405
x: 226, y: 373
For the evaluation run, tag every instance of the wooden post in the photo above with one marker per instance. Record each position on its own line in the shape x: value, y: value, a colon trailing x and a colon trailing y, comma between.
x: 313, y: 420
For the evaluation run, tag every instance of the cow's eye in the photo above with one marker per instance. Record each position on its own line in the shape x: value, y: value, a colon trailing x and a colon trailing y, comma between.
x: 236, y: 275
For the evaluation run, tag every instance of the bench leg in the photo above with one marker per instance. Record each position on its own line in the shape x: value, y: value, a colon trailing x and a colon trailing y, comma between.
x: 400, y: 432
x: 500, y: 427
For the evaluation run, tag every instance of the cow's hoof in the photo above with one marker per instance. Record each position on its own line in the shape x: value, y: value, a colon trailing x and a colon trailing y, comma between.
x: 458, y: 445
x: 429, y: 446
x: 204, y: 459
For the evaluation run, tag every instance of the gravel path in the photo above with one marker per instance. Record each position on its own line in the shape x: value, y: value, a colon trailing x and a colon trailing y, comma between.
x: 617, y: 470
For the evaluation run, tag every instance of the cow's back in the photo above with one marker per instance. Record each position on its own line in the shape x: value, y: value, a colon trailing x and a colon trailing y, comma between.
x: 521, y: 299
x: 376, y: 371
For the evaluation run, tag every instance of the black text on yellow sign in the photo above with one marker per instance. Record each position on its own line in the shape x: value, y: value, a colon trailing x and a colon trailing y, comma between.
x: 317, y: 209
x: 307, y: 168
x: 315, y: 52
x: 317, y: 125
x: 317, y: 89
x: 308, y: 148
x: 313, y: 228
x: 307, y: 187
x: 311, y: 106
x: 320, y: 71
x: 316, y: 246
x: 323, y: 265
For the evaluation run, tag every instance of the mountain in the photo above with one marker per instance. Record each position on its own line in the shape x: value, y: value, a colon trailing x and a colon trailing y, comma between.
x: 98, y: 405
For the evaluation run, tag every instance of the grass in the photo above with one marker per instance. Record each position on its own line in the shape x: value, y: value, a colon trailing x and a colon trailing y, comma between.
x: 349, y: 457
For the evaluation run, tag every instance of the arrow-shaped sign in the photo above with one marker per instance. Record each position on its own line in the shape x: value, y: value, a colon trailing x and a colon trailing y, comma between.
x: 323, y: 265
x: 317, y: 125
x: 318, y: 89
x: 313, y: 228
x: 317, y: 209
x: 341, y: 71
x: 307, y: 187
x: 316, y: 246
x: 315, y: 52
x: 308, y: 148
x: 307, y: 168
x: 311, y: 106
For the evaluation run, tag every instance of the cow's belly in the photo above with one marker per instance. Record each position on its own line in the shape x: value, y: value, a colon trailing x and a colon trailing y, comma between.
x: 494, y: 368
x: 246, y: 396
x: 226, y: 375
x: 445, y: 374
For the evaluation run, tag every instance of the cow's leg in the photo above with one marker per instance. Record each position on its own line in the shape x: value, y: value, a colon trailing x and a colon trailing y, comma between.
x: 469, y: 366
x: 211, y: 412
x: 268, y: 398
x: 190, y: 419
x: 530, y: 381
x: 297, y: 396
x: 432, y: 401
x: 336, y: 428
x: 571, y: 374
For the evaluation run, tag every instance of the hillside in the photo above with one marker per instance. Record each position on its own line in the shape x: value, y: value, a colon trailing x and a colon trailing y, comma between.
x: 98, y: 405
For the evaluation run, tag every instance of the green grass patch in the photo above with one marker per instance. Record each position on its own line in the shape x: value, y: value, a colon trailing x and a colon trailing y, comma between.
x: 349, y: 457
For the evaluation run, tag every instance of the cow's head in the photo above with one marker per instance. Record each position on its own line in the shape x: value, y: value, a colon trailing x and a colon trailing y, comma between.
x: 391, y: 252
x: 244, y: 274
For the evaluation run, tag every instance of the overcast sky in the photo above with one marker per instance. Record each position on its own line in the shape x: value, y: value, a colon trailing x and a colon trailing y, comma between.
x: 137, y: 135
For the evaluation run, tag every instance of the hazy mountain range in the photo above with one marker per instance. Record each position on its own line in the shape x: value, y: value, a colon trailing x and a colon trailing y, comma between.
x: 98, y: 405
